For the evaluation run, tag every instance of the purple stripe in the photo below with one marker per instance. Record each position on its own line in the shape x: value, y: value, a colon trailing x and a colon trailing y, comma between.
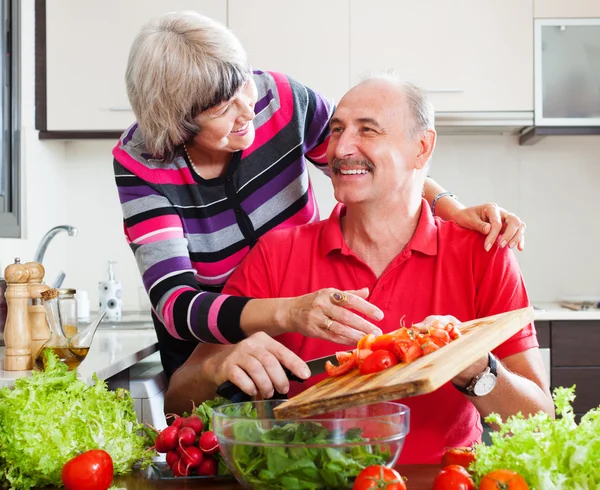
x: 127, y: 194
x: 264, y: 102
x: 209, y: 225
x: 129, y: 135
x: 318, y: 125
x: 275, y: 186
x: 163, y: 267
x: 197, y: 321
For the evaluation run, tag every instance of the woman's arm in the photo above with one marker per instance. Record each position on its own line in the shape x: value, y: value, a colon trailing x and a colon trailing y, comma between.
x: 498, y: 224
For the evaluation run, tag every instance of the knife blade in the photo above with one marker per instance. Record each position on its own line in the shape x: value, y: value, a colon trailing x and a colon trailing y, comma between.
x: 231, y: 391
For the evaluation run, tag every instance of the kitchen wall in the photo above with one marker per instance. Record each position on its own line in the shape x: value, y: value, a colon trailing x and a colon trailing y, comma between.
x: 551, y: 185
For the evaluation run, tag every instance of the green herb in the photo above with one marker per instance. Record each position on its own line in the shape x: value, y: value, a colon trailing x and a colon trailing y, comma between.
x: 296, y: 466
x: 50, y: 417
x: 550, y: 454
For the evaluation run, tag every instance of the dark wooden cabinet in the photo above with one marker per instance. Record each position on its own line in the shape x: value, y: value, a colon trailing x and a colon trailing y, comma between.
x: 575, y: 359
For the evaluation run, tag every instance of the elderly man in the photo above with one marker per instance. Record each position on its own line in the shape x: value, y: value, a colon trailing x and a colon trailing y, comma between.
x: 382, y: 236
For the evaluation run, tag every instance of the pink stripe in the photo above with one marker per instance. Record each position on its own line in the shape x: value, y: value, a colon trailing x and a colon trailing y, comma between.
x: 301, y: 217
x: 213, y: 313
x: 153, y: 224
x: 179, y: 176
x: 168, y: 312
x: 319, y: 151
x: 280, y: 119
x: 214, y: 269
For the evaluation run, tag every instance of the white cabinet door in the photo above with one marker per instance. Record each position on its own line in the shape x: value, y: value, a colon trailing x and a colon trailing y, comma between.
x: 306, y: 40
x: 566, y: 8
x: 471, y: 55
x: 87, y: 46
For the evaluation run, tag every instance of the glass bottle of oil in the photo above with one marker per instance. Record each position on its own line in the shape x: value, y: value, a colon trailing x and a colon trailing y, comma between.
x: 72, y: 351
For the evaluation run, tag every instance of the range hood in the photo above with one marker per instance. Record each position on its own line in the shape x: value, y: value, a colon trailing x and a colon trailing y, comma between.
x: 465, y: 123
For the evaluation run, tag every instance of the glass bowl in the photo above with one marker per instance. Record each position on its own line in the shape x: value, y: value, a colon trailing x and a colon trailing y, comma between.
x: 324, y: 451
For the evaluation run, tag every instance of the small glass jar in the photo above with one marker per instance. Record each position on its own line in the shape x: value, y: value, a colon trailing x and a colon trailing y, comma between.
x: 67, y: 309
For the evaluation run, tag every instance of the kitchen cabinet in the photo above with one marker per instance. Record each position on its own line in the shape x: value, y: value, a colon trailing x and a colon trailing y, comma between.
x: 566, y: 8
x: 313, y: 49
x: 81, y: 59
x: 470, y: 55
x: 575, y: 360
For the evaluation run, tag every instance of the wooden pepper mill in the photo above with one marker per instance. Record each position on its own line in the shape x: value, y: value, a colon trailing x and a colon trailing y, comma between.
x: 40, y: 331
x: 17, y: 331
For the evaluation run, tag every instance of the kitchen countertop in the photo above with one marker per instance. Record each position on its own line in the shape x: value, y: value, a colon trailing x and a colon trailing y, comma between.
x: 112, y: 352
x: 555, y: 312
x: 420, y: 477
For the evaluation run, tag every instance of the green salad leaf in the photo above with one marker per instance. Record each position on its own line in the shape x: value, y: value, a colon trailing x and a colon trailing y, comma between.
x: 550, y: 454
x: 51, y: 417
x: 293, y: 465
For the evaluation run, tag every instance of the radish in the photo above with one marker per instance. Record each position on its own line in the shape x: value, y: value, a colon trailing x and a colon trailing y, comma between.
x: 194, y: 422
x: 166, y: 439
x: 178, y: 422
x: 179, y: 469
x: 192, y: 457
x: 172, y: 458
x: 186, y: 436
x: 208, y: 443
x: 208, y: 467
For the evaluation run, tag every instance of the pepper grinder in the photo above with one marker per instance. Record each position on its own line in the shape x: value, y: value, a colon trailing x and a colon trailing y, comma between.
x: 40, y: 331
x: 17, y: 331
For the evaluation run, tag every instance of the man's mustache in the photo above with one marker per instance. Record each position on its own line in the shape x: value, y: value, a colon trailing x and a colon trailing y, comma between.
x: 355, y: 163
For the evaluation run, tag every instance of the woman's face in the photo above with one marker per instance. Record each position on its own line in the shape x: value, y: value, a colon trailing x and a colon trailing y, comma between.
x: 228, y: 126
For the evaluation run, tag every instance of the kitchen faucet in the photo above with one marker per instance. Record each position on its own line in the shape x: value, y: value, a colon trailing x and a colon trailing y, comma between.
x: 45, y: 241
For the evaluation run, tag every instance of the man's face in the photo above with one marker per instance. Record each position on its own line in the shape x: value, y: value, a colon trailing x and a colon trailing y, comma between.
x: 369, y: 155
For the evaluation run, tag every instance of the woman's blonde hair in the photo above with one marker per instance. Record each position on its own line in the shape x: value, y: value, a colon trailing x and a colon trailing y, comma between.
x: 181, y: 64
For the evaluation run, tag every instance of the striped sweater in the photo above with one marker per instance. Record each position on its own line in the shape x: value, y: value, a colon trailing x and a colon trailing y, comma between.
x: 189, y: 234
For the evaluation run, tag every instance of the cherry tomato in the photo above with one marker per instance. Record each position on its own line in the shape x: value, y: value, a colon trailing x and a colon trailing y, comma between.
x: 453, y: 477
x: 384, y: 342
x: 407, y: 350
x: 366, y: 341
x: 92, y: 470
x: 378, y: 476
x: 462, y: 456
x: 343, y: 368
x: 378, y: 361
x: 503, y: 480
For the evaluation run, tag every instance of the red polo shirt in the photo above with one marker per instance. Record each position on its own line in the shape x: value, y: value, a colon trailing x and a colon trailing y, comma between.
x: 443, y: 270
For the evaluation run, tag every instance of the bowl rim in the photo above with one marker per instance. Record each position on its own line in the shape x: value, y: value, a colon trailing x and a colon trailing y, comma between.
x: 403, y: 410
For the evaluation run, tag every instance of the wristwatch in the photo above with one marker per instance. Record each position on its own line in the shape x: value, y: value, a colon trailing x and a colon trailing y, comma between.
x: 483, y: 383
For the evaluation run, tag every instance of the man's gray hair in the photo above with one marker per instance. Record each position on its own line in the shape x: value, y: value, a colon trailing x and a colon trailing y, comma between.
x: 180, y: 64
x: 421, y: 108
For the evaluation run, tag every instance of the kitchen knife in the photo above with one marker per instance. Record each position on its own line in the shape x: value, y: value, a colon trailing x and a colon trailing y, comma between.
x: 230, y: 391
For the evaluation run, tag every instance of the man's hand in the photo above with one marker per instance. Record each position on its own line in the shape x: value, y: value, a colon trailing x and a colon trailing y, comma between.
x: 254, y: 365
x: 495, y: 222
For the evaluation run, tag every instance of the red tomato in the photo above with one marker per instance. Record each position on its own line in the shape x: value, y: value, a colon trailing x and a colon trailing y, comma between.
x: 378, y: 476
x: 92, y: 470
x: 453, y: 477
x: 429, y: 347
x: 361, y: 355
x: 439, y: 337
x: 454, y: 332
x: 462, y: 456
x: 383, y: 342
x: 378, y: 361
x: 343, y: 368
x: 503, y: 480
x: 407, y: 350
x: 343, y: 356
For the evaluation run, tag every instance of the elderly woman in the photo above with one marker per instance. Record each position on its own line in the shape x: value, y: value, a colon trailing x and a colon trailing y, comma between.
x: 217, y: 158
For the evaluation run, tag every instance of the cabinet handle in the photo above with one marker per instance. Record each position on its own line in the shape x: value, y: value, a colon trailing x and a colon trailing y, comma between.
x: 120, y: 109
x: 445, y: 90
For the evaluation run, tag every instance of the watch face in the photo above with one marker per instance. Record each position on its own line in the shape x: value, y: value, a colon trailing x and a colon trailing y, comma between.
x: 484, y: 385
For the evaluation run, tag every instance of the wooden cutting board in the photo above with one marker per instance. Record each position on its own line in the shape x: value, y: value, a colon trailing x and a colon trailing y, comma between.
x: 424, y: 375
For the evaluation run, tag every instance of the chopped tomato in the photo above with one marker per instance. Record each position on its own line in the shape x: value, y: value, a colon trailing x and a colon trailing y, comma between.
x: 454, y: 332
x: 343, y: 356
x: 361, y: 355
x: 439, y: 337
x: 366, y: 341
x: 343, y: 368
x: 429, y: 347
x: 378, y: 361
x: 407, y: 350
x: 383, y: 342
